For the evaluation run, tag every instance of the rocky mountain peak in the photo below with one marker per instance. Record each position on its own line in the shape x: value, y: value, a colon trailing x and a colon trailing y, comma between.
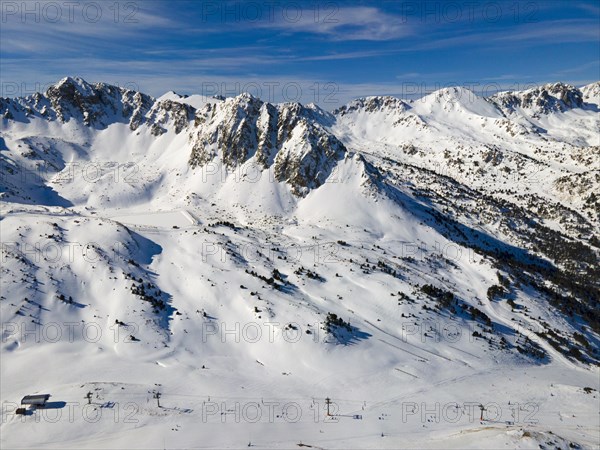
x: 545, y: 99
x: 373, y: 104
x: 289, y: 137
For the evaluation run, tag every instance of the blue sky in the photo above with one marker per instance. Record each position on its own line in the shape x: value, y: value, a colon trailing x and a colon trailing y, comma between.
x: 322, y: 51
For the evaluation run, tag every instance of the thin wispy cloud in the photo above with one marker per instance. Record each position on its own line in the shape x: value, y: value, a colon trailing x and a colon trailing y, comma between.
x: 580, y: 68
x: 347, y: 23
x: 589, y: 7
x: 53, y: 27
x: 557, y: 31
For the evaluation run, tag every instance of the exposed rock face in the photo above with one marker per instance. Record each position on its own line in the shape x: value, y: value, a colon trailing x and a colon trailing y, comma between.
x: 287, y: 137
x: 165, y: 111
x: 372, y: 104
x: 549, y: 98
x: 391, y: 112
x: 99, y: 105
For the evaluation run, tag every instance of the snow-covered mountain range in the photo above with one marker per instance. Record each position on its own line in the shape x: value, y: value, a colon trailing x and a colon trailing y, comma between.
x: 394, y: 256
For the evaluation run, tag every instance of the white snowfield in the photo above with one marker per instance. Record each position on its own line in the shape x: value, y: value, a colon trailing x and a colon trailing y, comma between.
x: 168, y: 304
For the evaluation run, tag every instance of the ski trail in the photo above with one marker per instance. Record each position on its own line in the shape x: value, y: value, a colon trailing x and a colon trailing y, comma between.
x: 404, y: 350
x: 408, y: 343
x: 403, y: 371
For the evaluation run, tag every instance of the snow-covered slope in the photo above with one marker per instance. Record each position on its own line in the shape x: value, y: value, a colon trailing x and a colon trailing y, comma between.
x: 248, y: 260
x: 591, y: 93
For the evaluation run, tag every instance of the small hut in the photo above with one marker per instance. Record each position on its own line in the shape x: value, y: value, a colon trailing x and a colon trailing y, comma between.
x: 35, y: 401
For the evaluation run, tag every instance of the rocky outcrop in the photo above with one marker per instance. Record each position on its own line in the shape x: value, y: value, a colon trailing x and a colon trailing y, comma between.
x: 98, y: 105
x: 546, y: 99
x: 372, y: 104
x: 286, y: 137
